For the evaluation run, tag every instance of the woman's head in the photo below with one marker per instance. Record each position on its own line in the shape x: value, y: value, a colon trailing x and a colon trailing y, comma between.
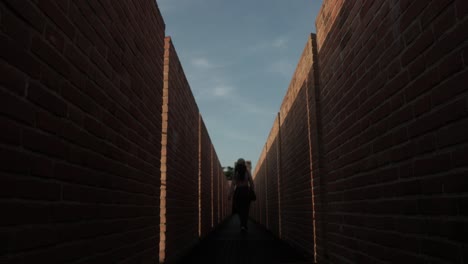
x: 240, y: 169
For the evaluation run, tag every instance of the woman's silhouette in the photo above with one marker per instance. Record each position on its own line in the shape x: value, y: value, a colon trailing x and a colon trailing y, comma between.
x: 240, y: 187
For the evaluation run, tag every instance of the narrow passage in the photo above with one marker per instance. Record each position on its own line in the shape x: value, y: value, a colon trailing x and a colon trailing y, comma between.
x: 228, y: 245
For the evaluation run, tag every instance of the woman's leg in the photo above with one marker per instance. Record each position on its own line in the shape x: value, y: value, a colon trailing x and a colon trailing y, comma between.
x: 247, y: 210
x: 244, y: 204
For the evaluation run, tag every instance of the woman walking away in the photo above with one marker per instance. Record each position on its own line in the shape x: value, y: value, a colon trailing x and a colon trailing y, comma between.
x: 240, y: 185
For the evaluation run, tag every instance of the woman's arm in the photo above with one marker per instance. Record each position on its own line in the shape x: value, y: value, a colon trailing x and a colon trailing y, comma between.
x: 251, y: 182
x: 233, y: 186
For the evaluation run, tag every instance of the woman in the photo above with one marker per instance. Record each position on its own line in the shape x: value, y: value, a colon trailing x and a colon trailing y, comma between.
x: 241, y: 182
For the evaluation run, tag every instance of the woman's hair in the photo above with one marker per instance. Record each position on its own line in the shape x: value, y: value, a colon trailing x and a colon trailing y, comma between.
x: 240, y: 169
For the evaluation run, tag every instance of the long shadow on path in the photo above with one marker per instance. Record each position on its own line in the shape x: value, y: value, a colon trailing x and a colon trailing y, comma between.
x: 229, y: 245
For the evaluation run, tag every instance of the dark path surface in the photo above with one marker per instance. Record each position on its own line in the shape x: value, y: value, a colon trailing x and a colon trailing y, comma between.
x: 229, y: 245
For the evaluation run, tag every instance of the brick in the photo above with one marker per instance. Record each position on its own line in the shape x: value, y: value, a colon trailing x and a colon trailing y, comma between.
x: 28, y: 238
x: 16, y: 29
x: 51, y: 79
x: 438, y: 206
x: 63, y: 4
x: 462, y: 9
x: 19, y: 58
x: 441, y: 250
x: 94, y: 127
x: 29, y: 188
x: 446, y: 43
x: 434, y: 9
x: 28, y: 12
x: 432, y: 165
x: 450, y: 65
x: 12, y: 79
x: 444, y: 21
x: 14, y: 160
x: 101, y: 63
x: 451, y: 183
x: 437, y: 118
x: 47, y: 99
x: 423, y: 42
x: 419, y: 86
x: 11, y: 132
x: 80, y: 61
x: 41, y: 166
x: 16, y: 108
x: 21, y: 213
x: 422, y: 105
x: 412, y: 32
x: 43, y: 143
x: 50, y: 56
x: 48, y: 122
x: 453, y: 134
x: 414, y: 10
x: 55, y: 38
x: 449, y: 89
x: 50, y: 8
x: 417, y: 67
x: 82, y: 101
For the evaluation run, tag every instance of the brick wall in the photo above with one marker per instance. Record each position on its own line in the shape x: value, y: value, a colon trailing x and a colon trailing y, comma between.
x: 386, y: 130
x: 104, y: 154
x: 394, y: 105
x: 283, y: 173
x: 80, y: 111
x: 206, y: 172
x: 180, y: 159
x: 272, y: 172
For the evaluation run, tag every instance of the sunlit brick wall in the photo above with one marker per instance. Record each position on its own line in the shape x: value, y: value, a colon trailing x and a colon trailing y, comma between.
x: 181, y: 159
x: 283, y: 174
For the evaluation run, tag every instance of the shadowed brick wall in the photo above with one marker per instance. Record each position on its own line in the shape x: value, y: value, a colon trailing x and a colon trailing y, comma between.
x: 206, y: 173
x: 272, y: 172
x: 394, y: 112
x: 387, y: 134
x: 80, y: 112
x: 99, y: 163
x: 179, y: 169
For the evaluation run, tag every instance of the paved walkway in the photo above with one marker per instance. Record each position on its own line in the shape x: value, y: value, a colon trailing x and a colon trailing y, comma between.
x: 229, y: 245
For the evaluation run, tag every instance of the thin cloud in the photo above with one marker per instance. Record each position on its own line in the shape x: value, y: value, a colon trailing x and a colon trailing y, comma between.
x: 282, y: 67
x: 202, y: 63
x: 280, y: 42
x: 222, y: 90
x: 273, y: 44
x: 238, y: 136
x: 253, y: 108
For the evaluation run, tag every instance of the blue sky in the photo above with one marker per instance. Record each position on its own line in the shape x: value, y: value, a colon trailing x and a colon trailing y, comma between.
x: 239, y: 57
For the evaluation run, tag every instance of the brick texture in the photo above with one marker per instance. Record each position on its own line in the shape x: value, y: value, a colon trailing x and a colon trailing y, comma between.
x: 385, y: 122
x: 206, y: 177
x: 104, y: 155
x: 80, y: 111
x: 283, y: 175
x: 390, y: 148
x: 180, y: 161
